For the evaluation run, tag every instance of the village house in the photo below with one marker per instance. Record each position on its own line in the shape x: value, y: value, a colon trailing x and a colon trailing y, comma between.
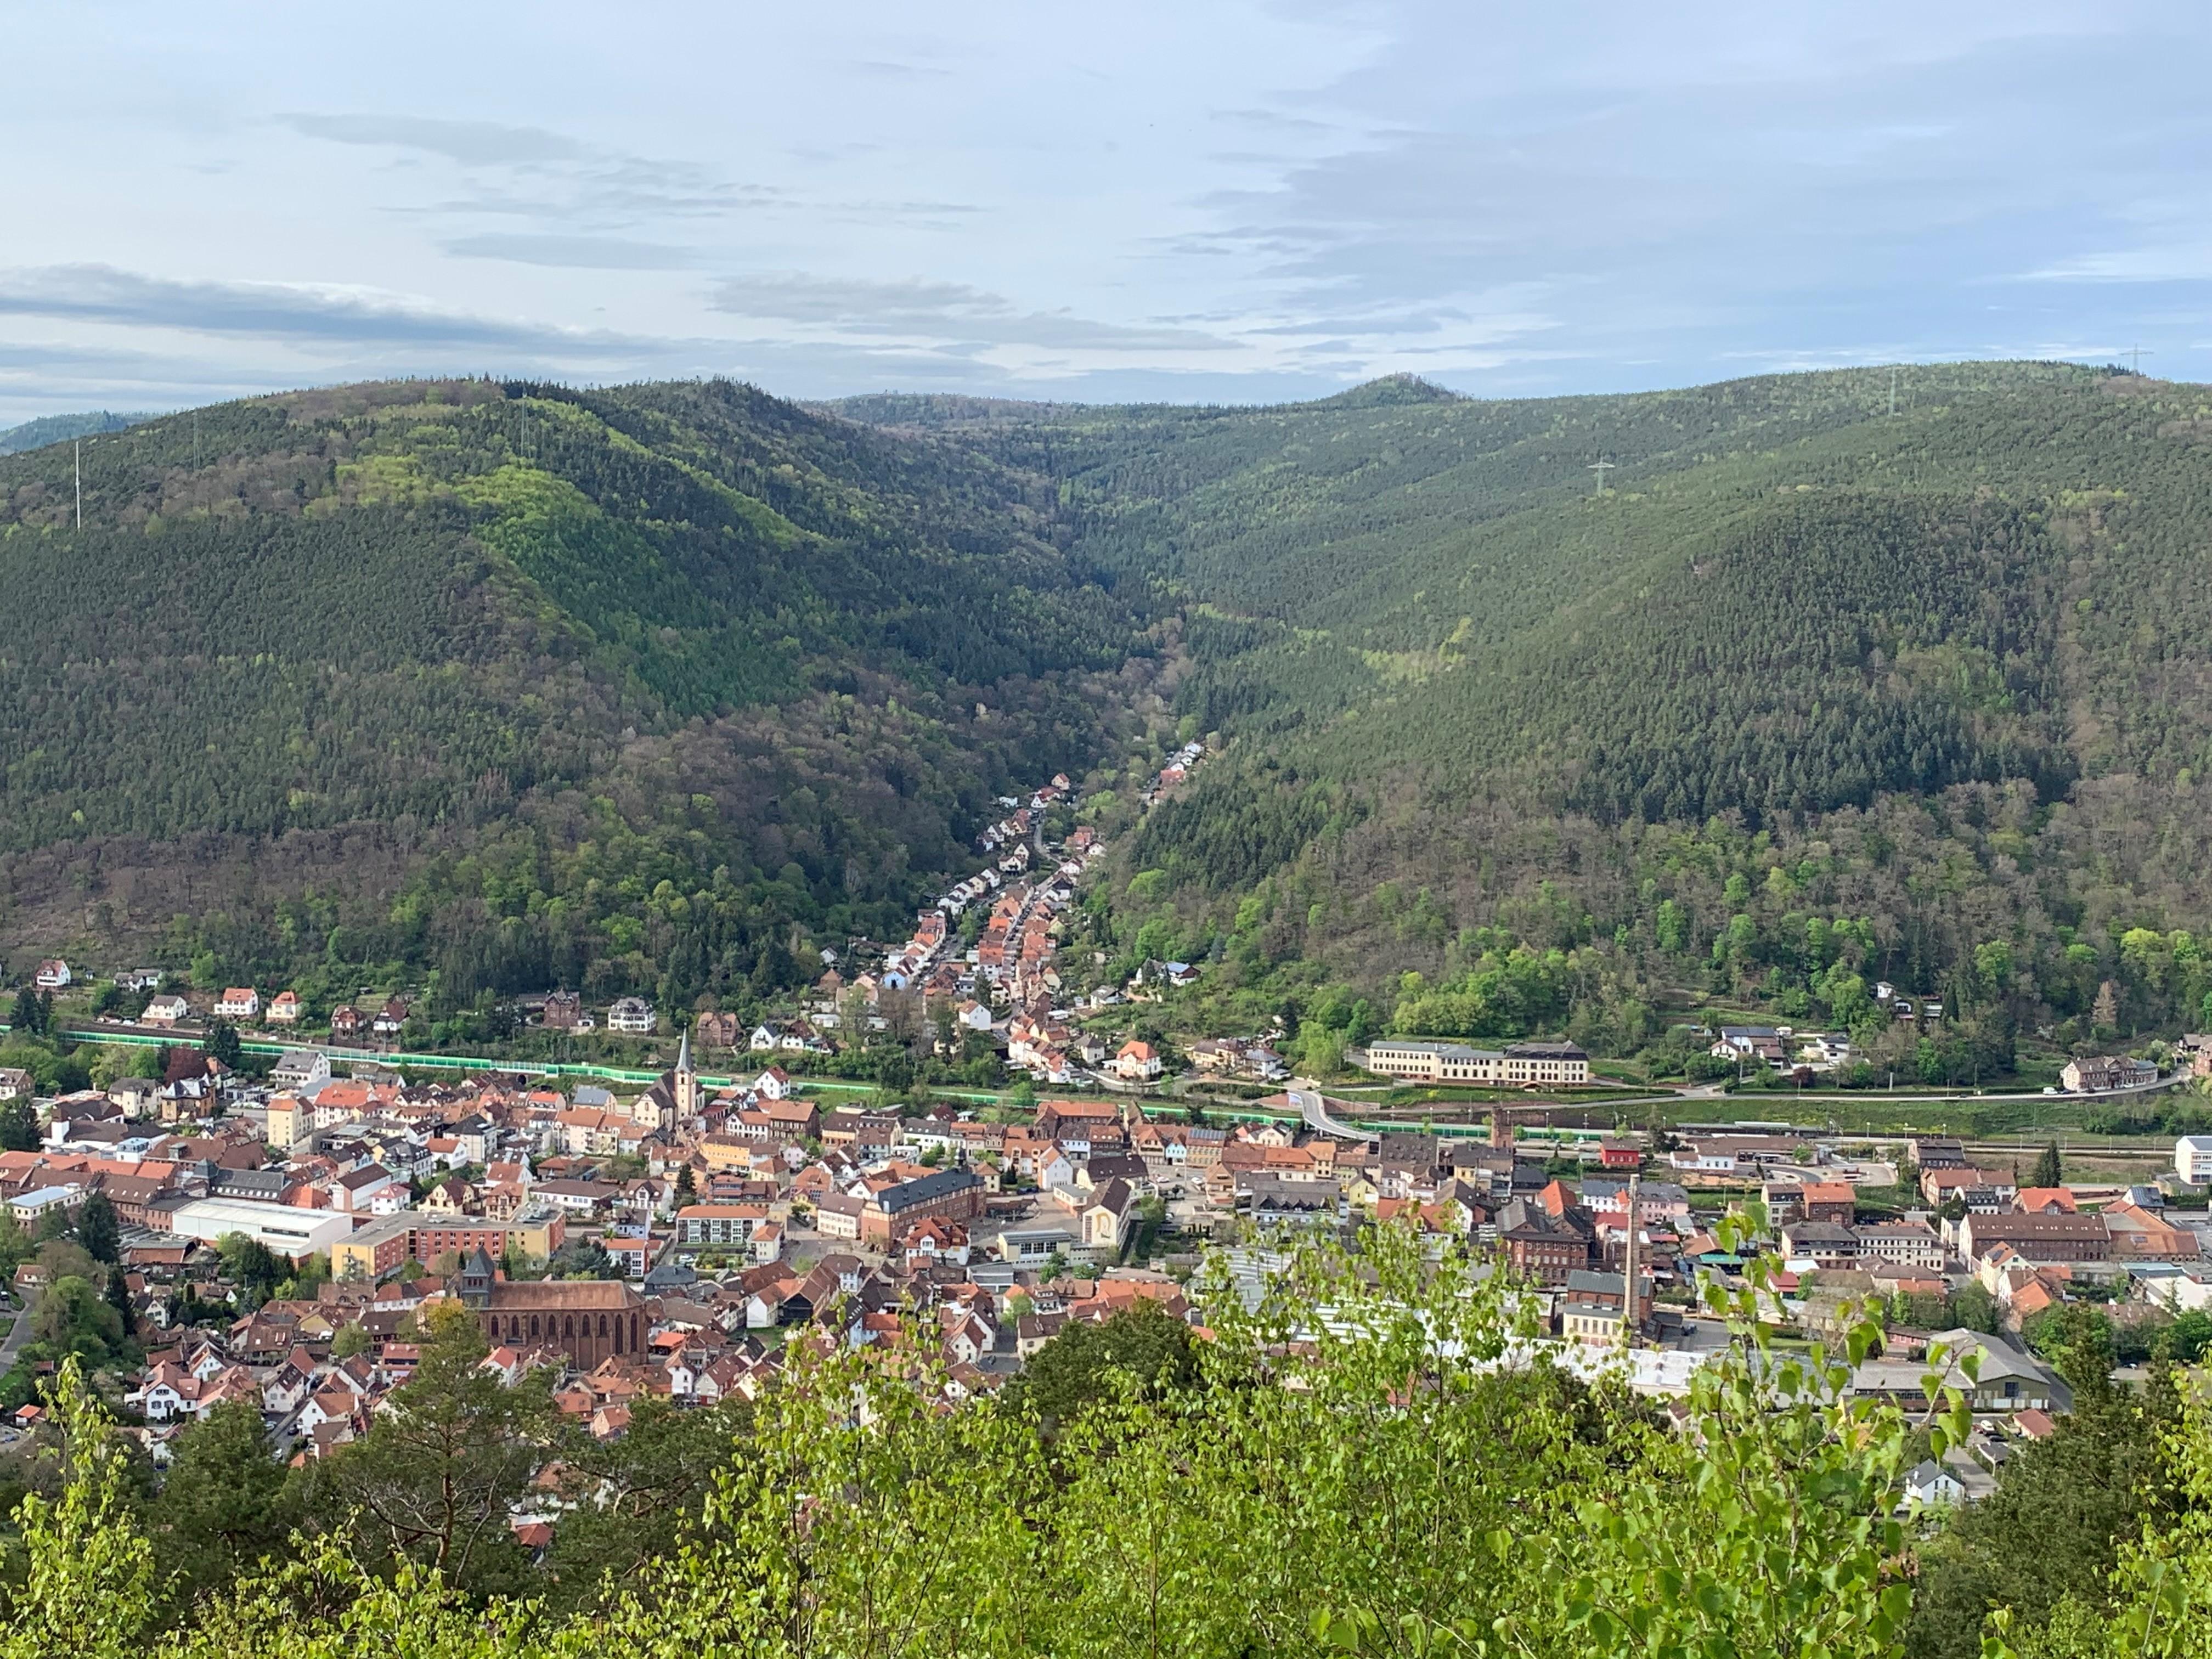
x: 1137, y: 1062
x: 2102, y: 1075
x: 632, y: 1016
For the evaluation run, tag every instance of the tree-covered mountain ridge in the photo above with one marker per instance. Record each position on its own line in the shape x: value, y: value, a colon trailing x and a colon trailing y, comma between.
x: 651, y: 687
x: 639, y: 687
x: 1929, y: 641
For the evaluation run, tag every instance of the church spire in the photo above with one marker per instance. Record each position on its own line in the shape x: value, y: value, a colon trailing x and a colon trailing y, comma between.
x: 687, y: 1080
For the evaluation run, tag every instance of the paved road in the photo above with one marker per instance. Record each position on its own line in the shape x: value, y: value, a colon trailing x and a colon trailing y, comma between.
x: 1314, y: 1108
x: 17, y: 1336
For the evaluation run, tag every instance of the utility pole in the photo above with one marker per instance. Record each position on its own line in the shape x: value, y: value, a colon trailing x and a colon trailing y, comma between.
x: 77, y: 449
x: 1601, y: 468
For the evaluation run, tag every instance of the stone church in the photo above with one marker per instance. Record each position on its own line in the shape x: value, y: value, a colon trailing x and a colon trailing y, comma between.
x: 588, y: 1320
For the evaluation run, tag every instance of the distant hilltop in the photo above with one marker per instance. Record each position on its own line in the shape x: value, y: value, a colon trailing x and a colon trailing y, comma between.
x: 60, y: 429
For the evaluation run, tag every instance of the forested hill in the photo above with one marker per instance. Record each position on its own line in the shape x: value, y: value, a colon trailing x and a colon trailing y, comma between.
x: 59, y: 429
x: 638, y: 688
x: 1931, y: 651
x: 1816, y: 679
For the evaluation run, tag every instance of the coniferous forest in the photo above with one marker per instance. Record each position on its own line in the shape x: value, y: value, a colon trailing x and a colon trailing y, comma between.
x: 640, y: 691
x: 1821, y: 680
x: 1834, y: 677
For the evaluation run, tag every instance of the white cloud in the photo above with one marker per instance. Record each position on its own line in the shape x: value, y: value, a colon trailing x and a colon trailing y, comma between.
x: 1250, y: 198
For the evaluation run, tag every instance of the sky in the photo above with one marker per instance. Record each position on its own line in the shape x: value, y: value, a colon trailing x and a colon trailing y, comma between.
x: 1210, y: 200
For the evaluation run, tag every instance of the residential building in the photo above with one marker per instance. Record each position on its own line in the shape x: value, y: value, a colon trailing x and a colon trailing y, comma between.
x: 238, y: 1002
x: 2005, y: 1379
x: 284, y: 1008
x: 2192, y: 1159
x: 1829, y: 1200
x: 165, y: 1010
x: 717, y: 1029
x: 1820, y: 1245
x: 2036, y: 1238
x: 1939, y: 1152
x: 1138, y: 1062
x: 1544, y: 1247
x: 2098, y: 1076
x: 29, y: 1207
x: 719, y: 1226
x: 1931, y: 1483
x: 1906, y: 1243
x: 392, y: 1241
x: 289, y: 1122
x: 631, y: 1015
x: 303, y: 1070
x: 1590, y: 1306
x: 954, y: 1195
x: 53, y: 975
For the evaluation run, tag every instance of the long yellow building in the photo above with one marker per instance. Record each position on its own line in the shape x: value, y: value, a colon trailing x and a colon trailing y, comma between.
x: 1523, y: 1065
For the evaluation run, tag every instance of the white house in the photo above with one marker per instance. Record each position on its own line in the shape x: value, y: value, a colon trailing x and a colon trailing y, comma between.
x: 302, y: 1070
x: 165, y: 1010
x: 1690, y: 1161
x: 773, y: 1084
x: 633, y: 1015
x: 1931, y: 1483
x: 238, y: 1002
x: 53, y: 975
x: 2192, y: 1159
x: 1137, y: 1062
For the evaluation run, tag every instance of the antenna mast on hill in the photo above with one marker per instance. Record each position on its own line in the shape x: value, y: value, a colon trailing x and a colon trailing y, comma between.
x: 1601, y: 468
x: 78, y: 448
x: 1892, y: 388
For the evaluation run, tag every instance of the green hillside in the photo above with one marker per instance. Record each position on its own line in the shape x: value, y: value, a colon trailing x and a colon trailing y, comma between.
x: 59, y: 429
x: 638, y: 687
x: 1839, y: 677
x: 1810, y: 661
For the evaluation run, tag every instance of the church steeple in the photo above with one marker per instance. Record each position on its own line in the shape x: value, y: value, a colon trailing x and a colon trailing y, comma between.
x: 476, y: 1277
x: 686, y: 1080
